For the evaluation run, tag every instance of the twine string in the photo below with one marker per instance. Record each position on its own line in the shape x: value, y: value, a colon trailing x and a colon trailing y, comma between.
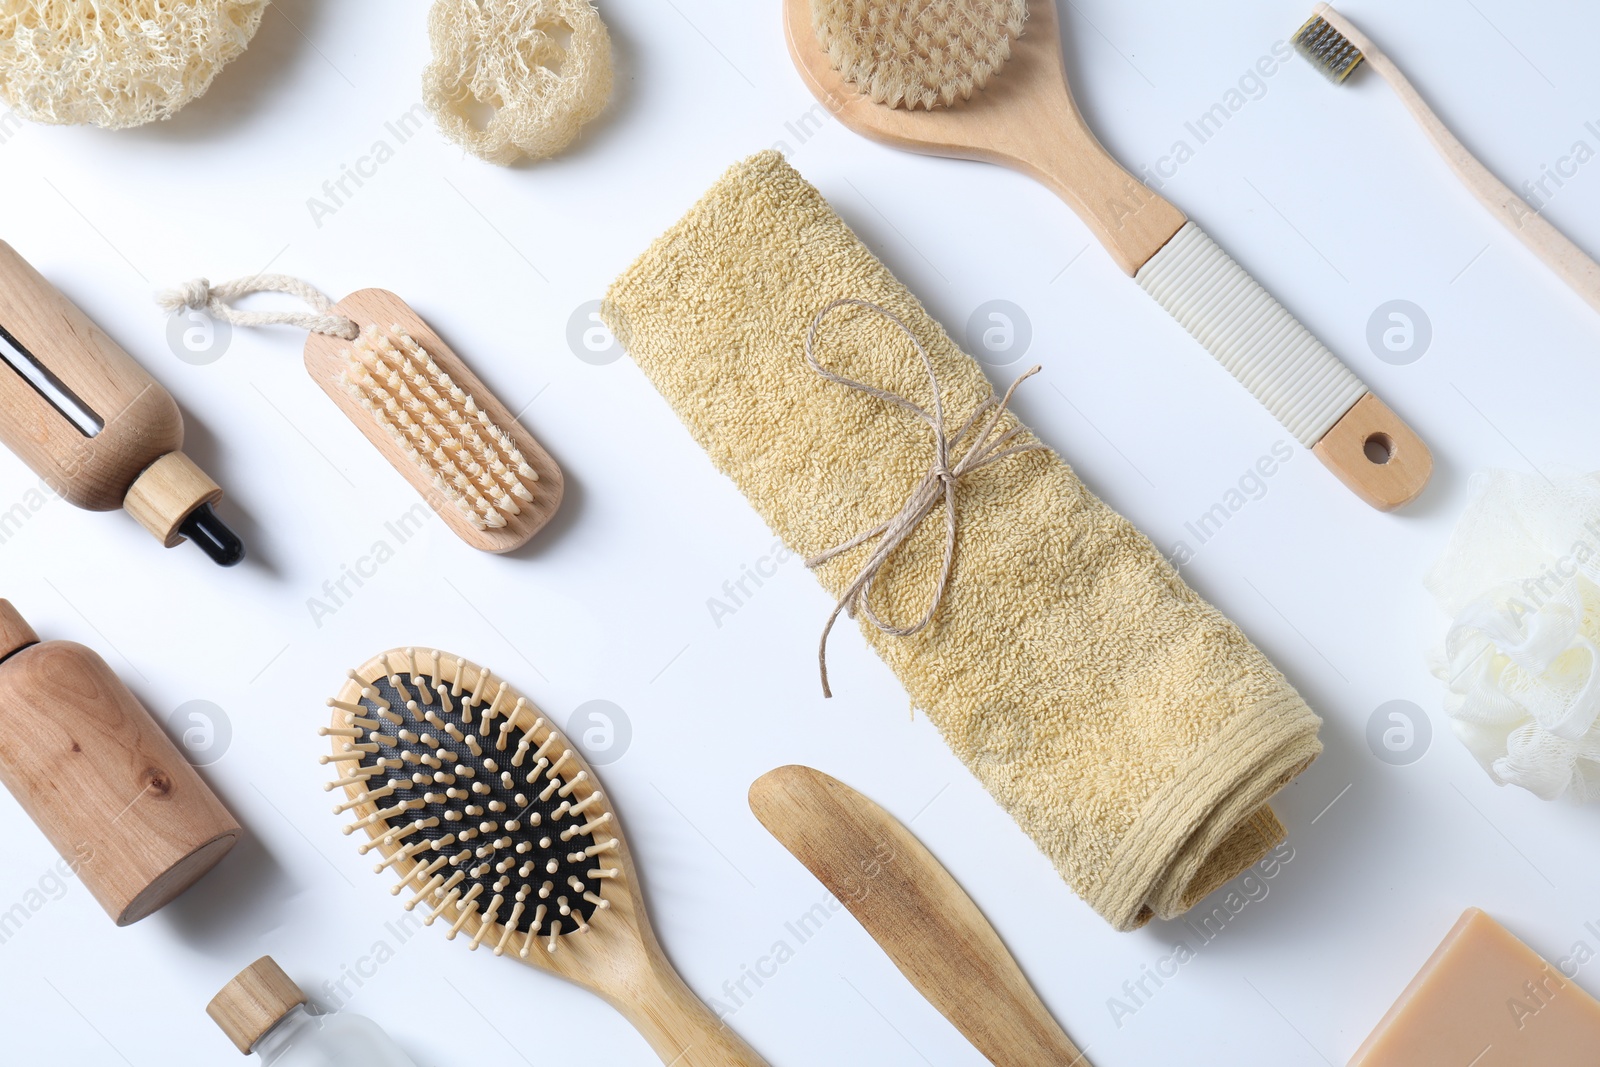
x: 937, y: 486
x: 201, y: 295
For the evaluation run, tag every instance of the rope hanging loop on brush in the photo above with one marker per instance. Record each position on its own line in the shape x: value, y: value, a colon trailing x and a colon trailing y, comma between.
x: 936, y: 486
x: 214, y: 300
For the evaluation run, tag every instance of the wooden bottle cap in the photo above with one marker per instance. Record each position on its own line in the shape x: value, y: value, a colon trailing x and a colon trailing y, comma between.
x: 15, y: 633
x: 167, y: 492
x: 254, y: 1002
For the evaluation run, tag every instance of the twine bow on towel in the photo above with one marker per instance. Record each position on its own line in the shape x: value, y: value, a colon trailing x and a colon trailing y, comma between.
x: 938, y: 484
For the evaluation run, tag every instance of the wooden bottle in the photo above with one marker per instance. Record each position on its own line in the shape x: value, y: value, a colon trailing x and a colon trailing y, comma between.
x: 92, y: 422
x: 98, y: 775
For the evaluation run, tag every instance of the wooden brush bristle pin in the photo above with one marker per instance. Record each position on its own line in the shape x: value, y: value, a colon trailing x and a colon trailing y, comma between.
x: 92, y: 423
x: 415, y: 400
x: 975, y: 87
x: 496, y: 825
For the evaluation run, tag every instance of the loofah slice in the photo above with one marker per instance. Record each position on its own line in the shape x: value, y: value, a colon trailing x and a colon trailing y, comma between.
x: 116, y: 64
x: 918, y: 53
x: 542, y: 66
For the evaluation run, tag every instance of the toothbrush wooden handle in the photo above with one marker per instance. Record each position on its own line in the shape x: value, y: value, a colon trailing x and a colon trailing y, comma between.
x: 678, y: 1025
x: 1571, y: 263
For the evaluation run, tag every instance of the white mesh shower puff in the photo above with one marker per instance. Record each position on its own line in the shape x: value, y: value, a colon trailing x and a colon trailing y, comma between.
x: 1520, y: 580
x: 116, y: 64
x: 542, y: 66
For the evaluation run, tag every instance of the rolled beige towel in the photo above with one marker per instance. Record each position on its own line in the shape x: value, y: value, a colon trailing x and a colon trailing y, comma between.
x: 1131, y: 730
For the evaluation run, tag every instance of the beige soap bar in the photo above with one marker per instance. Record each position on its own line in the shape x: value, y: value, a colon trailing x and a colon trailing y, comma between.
x: 1486, y: 999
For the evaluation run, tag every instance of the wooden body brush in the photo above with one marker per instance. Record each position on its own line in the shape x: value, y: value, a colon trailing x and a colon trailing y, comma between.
x: 92, y: 423
x: 979, y: 90
x: 496, y: 825
x: 415, y: 400
x: 916, y: 912
x: 1334, y: 44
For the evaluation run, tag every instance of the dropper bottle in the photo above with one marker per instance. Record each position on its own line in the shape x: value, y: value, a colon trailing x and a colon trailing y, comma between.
x: 263, y: 1012
x: 100, y: 431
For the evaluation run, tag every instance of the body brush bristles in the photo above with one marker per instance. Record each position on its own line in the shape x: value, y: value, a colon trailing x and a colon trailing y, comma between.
x: 1328, y: 49
x: 918, y: 53
x: 473, y: 463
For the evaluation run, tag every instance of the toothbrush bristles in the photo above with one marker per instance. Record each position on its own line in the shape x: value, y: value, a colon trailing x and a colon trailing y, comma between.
x: 1328, y: 49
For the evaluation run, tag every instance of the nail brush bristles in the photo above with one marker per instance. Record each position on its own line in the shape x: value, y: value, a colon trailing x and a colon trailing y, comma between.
x: 476, y: 801
x: 473, y: 462
x: 1327, y: 48
x: 918, y: 53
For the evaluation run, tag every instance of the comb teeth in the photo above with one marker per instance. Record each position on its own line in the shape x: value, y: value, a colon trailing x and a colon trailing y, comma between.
x: 473, y: 463
x: 478, y: 847
x: 1327, y: 48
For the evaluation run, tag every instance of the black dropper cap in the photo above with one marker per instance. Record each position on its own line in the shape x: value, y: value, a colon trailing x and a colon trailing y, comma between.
x: 213, y: 536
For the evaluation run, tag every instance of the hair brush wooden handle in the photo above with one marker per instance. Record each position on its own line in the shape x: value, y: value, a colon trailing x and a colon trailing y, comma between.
x: 916, y: 913
x: 676, y: 1023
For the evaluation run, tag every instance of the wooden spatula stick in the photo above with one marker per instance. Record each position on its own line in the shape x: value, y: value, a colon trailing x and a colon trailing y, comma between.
x: 916, y: 913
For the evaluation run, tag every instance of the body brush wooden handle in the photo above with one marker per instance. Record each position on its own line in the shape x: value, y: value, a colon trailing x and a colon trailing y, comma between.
x: 1024, y: 117
x: 916, y: 913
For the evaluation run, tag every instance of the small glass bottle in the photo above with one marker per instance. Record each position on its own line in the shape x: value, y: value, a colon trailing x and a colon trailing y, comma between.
x: 264, y: 1012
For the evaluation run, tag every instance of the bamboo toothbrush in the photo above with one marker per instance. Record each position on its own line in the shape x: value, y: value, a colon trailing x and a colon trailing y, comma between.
x: 496, y: 825
x: 970, y: 86
x: 1337, y: 47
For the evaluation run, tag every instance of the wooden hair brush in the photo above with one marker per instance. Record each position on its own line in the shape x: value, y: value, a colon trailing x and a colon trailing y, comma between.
x: 415, y: 400
x: 958, y: 79
x: 495, y: 824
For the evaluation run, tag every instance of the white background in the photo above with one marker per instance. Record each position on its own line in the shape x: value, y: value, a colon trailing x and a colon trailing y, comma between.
x: 1330, y: 196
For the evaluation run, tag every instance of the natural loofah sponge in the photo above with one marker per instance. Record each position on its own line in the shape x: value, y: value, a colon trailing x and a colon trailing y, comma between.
x: 918, y: 53
x: 116, y: 64
x: 544, y: 66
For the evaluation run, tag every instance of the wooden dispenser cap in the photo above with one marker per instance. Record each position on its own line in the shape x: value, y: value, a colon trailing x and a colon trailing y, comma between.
x: 168, y: 492
x: 254, y: 1002
x: 15, y: 633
